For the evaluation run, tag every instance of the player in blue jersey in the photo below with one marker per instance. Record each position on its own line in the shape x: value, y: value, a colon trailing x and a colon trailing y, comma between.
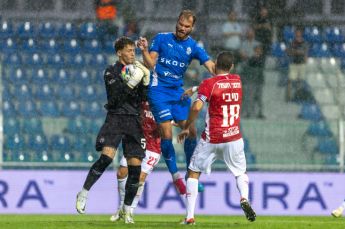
x: 169, y: 57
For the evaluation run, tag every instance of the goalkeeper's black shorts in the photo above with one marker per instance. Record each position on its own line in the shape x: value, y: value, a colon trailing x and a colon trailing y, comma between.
x: 126, y: 128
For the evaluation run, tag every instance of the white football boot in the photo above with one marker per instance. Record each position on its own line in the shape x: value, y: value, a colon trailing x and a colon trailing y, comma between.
x: 338, y: 212
x: 118, y: 215
x: 81, y: 202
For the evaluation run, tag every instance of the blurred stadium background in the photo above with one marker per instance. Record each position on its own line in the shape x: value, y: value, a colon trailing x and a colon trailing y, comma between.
x: 53, y: 53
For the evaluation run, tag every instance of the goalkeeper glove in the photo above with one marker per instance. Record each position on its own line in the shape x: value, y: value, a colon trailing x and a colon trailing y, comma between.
x: 146, y: 77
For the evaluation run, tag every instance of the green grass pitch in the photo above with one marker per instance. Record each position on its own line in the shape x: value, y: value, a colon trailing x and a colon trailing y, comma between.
x: 167, y: 221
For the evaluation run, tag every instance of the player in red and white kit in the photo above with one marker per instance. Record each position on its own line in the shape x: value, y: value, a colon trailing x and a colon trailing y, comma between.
x: 222, y: 138
x: 153, y: 154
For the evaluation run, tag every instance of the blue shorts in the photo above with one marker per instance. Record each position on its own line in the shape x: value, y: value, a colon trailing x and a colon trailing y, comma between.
x: 166, y: 104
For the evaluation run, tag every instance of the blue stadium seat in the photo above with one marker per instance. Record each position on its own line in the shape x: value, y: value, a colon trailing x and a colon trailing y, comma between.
x: 333, y: 35
x: 324, y: 51
x: 65, y: 92
x: 68, y: 31
x: 319, y: 50
x: 9, y: 46
x: 12, y: 59
x: 26, y: 30
x: 72, y: 46
x: 44, y: 92
x: 310, y: 112
x: 278, y: 49
x: 92, y: 46
x: 29, y: 46
x: 95, y: 126
x: 61, y: 77
x: 6, y: 93
x: 6, y: 30
x: 14, y: 142
x: 288, y: 34
x: 35, y: 59
x: 312, y: 35
x: 319, y: 129
x: 327, y: 146
x: 109, y: 47
x: 32, y: 126
x: 77, y: 126
x: 60, y: 143
x: 27, y: 109
x: 88, y: 93
x: 71, y: 109
x: 55, y: 60
x: 11, y: 126
x: 47, y: 30
x: 98, y: 60
x: 76, y: 61
x: 338, y: 50
x: 18, y: 77
x: 88, y: 31
x: 83, y: 78
x: 40, y: 76
x: 93, y: 110
x: 8, y: 109
x: 22, y: 92
x: 83, y: 144
x: 50, y: 46
x: 49, y: 109
x: 37, y: 142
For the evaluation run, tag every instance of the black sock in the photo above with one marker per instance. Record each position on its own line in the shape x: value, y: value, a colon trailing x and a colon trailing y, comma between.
x: 96, y: 171
x: 132, y: 183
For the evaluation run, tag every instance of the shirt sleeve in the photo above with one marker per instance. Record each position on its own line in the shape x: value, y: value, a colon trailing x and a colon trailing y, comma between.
x: 155, y: 43
x: 203, y: 92
x: 201, y: 54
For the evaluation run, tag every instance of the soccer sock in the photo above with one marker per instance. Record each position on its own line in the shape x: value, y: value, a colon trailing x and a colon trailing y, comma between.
x: 96, y: 171
x: 242, y: 182
x: 132, y: 183
x: 168, y: 153
x: 121, y: 184
x: 137, y: 196
x: 192, y: 193
x: 189, y: 146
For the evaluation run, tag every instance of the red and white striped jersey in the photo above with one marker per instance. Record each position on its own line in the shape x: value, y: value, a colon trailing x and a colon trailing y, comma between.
x: 150, y: 129
x: 223, y: 93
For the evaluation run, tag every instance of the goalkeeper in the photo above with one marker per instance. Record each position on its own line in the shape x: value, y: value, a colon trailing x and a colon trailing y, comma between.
x: 125, y: 92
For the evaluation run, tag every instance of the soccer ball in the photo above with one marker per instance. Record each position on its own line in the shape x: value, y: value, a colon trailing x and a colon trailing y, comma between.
x: 131, y: 71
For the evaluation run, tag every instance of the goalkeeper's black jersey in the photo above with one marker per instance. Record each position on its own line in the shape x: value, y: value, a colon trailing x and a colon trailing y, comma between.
x: 121, y: 98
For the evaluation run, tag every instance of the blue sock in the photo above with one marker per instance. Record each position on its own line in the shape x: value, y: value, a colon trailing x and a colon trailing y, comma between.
x: 168, y: 153
x: 189, y: 146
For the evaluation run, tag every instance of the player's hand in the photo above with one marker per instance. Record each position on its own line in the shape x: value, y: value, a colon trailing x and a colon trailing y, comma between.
x: 142, y: 43
x: 182, y: 136
x: 187, y: 93
x: 146, y: 77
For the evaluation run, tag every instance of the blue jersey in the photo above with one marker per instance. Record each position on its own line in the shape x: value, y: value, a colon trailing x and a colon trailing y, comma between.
x: 174, y: 57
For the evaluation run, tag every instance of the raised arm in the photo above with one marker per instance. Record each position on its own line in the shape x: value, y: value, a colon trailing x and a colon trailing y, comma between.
x: 210, y: 66
x: 149, y: 58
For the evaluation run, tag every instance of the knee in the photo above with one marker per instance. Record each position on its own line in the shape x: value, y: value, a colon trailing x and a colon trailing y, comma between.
x: 122, y: 172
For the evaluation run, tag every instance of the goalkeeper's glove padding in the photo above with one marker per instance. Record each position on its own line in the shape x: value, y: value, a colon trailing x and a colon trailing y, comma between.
x: 146, y: 77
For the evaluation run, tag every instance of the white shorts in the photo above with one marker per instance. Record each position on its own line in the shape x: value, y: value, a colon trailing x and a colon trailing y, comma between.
x: 296, y: 72
x: 232, y: 153
x: 149, y: 162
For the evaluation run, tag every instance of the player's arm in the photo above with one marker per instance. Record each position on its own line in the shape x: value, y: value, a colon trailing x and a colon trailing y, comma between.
x: 149, y: 58
x: 210, y: 66
x: 193, y: 114
x: 189, y: 92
